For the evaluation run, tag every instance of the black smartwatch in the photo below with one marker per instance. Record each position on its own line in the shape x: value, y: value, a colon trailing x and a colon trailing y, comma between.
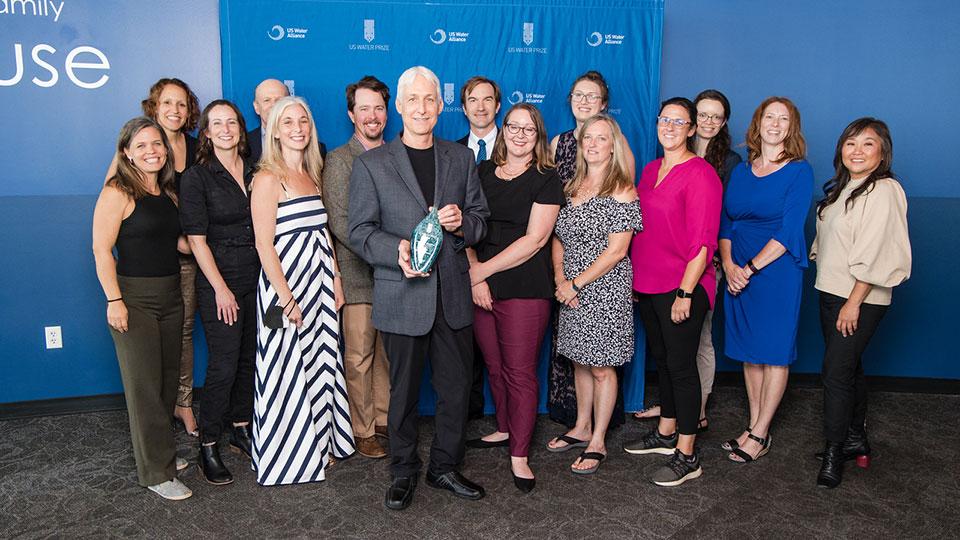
x: 683, y: 294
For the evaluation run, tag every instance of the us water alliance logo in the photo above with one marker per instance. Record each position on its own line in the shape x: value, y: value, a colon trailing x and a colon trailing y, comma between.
x: 279, y: 32
x: 441, y: 36
x: 528, y: 38
x: 519, y: 96
x: 369, y: 37
x: 596, y: 39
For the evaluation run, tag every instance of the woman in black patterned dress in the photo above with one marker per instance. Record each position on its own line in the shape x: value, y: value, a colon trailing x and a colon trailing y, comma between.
x: 593, y: 277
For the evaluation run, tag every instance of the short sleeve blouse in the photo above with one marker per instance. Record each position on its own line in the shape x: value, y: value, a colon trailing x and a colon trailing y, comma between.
x: 510, y: 202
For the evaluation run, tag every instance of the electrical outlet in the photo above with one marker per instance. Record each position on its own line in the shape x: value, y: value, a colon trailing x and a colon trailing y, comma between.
x: 54, y: 337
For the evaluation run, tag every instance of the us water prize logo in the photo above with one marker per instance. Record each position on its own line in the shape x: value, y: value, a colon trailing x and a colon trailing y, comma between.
x: 449, y: 98
x: 596, y: 39
x: 369, y: 35
x: 528, y: 41
x: 441, y: 36
x: 278, y: 32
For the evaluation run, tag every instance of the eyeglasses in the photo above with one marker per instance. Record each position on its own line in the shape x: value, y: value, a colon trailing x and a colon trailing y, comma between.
x: 577, y: 97
x: 712, y: 118
x: 513, y: 129
x: 676, y: 122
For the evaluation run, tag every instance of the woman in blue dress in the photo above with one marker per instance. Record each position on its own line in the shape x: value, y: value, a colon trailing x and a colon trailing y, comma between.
x: 763, y: 251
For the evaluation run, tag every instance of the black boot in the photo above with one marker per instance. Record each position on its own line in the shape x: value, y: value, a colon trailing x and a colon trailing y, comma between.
x: 240, y: 440
x: 855, y: 446
x: 212, y: 467
x: 831, y: 470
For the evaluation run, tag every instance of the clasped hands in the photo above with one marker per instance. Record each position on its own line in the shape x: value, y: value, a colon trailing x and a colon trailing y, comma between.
x: 451, y: 219
x: 565, y: 294
x: 738, y: 277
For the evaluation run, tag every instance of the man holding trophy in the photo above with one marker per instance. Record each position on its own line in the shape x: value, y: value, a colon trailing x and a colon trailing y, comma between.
x: 422, y: 303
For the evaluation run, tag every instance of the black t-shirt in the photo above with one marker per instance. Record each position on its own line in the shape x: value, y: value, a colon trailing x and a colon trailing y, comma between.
x: 510, y: 202
x: 192, y: 144
x: 212, y: 204
x: 425, y: 168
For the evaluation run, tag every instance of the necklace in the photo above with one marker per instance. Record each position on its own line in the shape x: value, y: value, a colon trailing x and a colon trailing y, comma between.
x: 510, y: 174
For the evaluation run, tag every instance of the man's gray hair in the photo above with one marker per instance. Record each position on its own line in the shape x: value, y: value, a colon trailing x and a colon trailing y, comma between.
x: 407, y: 77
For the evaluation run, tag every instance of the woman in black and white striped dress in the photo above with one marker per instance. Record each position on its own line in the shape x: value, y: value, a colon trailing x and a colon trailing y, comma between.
x: 301, y: 418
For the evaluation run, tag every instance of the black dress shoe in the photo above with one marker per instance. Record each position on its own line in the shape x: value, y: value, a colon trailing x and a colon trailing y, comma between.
x: 212, y: 467
x: 480, y: 443
x: 400, y: 493
x: 455, y: 483
x: 525, y: 485
x: 241, y: 440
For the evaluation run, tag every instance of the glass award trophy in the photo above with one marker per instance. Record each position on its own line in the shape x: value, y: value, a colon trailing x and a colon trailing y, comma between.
x: 425, y: 242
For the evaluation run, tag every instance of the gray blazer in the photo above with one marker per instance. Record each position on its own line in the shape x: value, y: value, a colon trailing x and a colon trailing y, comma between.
x: 386, y: 203
x: 356, y: 274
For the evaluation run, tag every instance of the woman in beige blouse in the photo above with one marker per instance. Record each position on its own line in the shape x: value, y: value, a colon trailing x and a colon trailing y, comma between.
x: 862, y: 251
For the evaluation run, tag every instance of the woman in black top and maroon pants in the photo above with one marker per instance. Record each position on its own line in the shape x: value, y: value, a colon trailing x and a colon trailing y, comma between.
x: 512, y: 279
x: 137, y: 213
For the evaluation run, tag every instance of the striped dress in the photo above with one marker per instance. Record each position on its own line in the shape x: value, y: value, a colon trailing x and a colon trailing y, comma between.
x: 301, y: 414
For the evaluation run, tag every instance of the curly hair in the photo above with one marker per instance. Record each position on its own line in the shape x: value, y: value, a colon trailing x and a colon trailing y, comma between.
x: 719, y: 145
x: 150, y: 104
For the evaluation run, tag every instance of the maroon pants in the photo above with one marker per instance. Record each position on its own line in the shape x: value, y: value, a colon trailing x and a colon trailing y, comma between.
x: 510, y: 338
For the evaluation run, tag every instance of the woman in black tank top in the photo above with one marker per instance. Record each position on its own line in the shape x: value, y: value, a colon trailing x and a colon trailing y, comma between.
x: 137, y: 213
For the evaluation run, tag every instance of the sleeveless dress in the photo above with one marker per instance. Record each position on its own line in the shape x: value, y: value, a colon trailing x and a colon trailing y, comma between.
x: 300, y: 403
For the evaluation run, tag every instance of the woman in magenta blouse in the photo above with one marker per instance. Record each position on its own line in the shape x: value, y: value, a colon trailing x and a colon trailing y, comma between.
x: 681, y: 196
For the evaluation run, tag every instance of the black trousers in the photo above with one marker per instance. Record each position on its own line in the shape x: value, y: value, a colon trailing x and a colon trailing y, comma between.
x: 844, y: 385
x: 451, y: 361
x: 674, y: 347
x: 232, y: 350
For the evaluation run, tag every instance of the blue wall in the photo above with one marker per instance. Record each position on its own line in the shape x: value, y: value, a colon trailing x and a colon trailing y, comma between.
x: 838, y: 61
x: 55, y: 144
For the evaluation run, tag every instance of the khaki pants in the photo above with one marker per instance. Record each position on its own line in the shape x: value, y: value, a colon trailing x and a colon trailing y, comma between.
x: 188, y: 291
x: 706, y: 356
x: 367, y: 371
x: 149, y: 354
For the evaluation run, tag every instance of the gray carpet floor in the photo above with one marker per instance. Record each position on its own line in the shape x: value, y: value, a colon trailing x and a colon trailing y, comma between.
x: 74, y: 477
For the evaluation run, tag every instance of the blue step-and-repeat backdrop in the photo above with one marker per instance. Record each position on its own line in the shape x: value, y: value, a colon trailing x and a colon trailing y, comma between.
x: 533, y: 50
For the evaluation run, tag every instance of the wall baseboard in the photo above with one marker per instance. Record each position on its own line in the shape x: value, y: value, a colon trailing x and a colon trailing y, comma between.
x: 114, y: 402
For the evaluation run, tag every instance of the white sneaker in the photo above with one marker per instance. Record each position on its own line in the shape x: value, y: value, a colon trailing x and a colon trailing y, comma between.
x: 172, y: 490
x: 182, y: 464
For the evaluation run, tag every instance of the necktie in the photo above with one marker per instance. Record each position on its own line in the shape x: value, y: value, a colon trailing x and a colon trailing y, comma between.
x: 482, y: 153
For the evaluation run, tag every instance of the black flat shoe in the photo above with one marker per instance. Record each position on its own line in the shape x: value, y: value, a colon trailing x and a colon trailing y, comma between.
x: 480, y: 443
x: 525, y: 485
x: 831, y: 469
x: 212, y: 467
x: 241, y: 440
x: 455, y: 483
x: 400, y: 493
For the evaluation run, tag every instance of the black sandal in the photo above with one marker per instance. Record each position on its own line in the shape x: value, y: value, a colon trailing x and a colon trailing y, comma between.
x: 571, y: 443
x: 702, y: 425
x: 589, y: 455
x: 747, y: 458
x: 732, y: 444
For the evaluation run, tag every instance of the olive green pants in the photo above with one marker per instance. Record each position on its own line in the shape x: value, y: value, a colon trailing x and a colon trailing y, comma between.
x: 149, y: 357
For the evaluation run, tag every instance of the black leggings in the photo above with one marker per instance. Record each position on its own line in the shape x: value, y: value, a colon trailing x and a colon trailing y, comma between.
x: 844, y: 385
x: 674, y: 347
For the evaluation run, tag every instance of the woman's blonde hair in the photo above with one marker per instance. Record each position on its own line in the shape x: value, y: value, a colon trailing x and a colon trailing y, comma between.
x: 272, y: 159
x: 616, y: 178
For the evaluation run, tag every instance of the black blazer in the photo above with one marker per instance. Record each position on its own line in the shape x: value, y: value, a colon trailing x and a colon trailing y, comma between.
x: 256, y: 146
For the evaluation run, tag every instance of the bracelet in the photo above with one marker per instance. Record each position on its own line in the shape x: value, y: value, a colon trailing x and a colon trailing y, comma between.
x: 117, y: 299
x: 288, y: 303
x: 573, y: 283
x: 752, y: 268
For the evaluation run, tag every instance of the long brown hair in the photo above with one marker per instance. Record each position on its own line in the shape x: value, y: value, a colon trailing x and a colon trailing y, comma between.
x: 719, y: 145
x: 205, y: 152
x: 149, y: 105
x: 794, y: 145
x: 841, y: 178
x: 128, y: 178
x: 616, y: 178
x: 272, y: 159
x: 542, y: 158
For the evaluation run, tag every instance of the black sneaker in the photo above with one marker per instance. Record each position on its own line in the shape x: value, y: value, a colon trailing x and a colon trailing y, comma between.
x: 677, y: 470
x: 652, y: 443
